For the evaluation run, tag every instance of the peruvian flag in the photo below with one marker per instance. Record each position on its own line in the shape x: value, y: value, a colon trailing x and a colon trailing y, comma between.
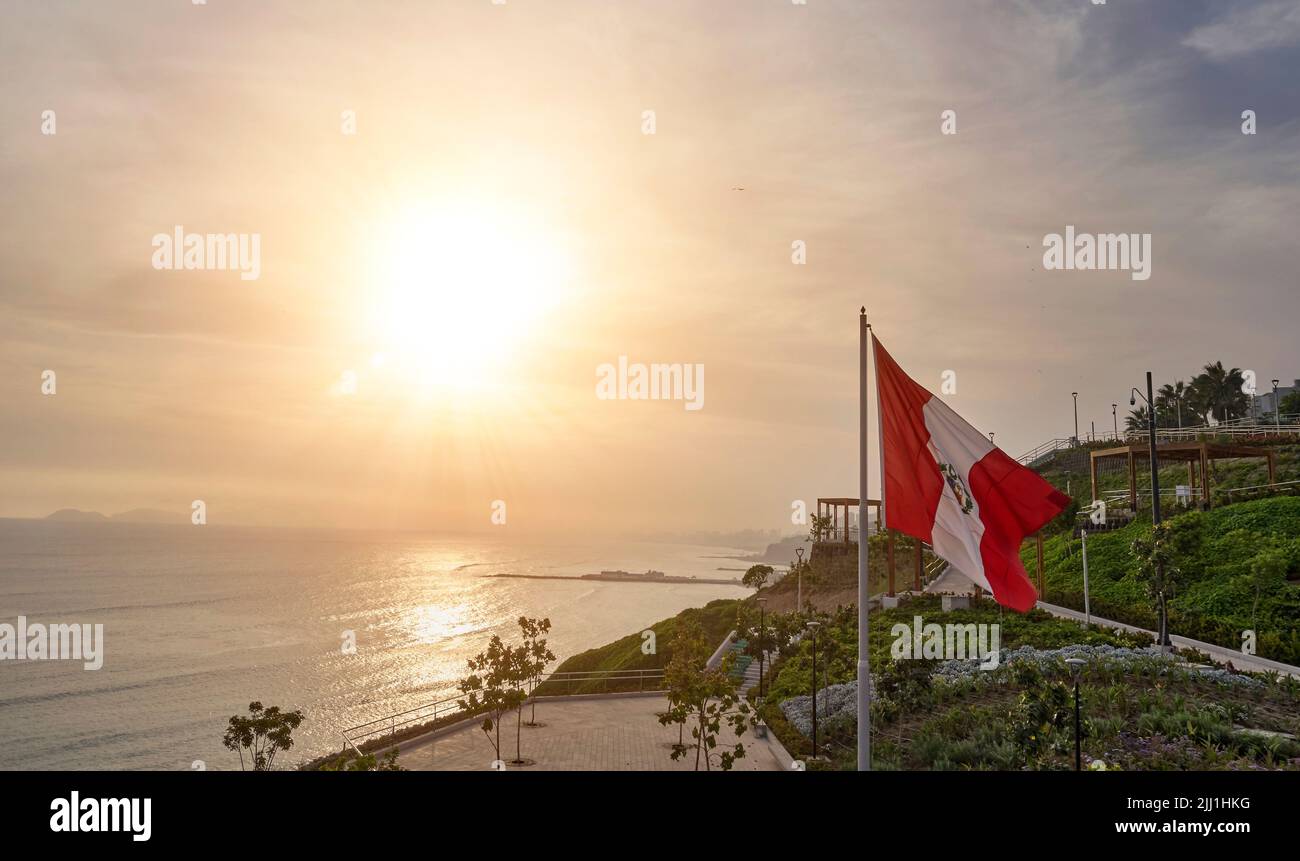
x: 946, y: 484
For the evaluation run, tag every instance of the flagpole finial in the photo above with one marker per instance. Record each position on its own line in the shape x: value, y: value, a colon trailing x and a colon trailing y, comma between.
x: 862, y: 315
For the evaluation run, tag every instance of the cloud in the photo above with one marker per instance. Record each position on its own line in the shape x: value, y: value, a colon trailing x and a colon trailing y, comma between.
x: 1262, y: 27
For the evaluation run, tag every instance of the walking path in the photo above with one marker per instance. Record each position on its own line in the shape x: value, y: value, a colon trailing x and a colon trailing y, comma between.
x: 600, y: 733
x: 1221, y: 654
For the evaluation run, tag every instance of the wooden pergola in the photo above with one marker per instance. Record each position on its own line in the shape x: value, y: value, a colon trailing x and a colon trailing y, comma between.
x: 830, y: 507
x: 1197, y: 455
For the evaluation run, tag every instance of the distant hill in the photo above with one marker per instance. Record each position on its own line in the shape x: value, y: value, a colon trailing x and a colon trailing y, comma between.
x: 73, y: 515
x: 135, y: 515
x: 150, y: 515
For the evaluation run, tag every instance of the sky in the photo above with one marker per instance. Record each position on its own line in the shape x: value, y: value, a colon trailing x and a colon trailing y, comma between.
x: 465, y: 209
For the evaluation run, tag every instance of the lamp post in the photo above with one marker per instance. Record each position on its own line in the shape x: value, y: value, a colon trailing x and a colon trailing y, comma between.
x: 812, y: 631
x: 990, y: 436
x: 762, y: 643
x: 1076, y: 667
x: 1075, y: 395
x: 798, y: 601
x: 1277, y: 410
x: 1114, y: 418
x: 1163, y: 636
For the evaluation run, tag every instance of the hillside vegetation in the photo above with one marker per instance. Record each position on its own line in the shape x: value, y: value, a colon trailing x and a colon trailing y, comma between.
x: 1239, y: 569
x: 717, y: 618
x: 1142, y: 710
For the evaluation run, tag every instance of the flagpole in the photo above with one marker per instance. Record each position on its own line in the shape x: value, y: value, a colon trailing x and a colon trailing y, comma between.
x: 864, y: 667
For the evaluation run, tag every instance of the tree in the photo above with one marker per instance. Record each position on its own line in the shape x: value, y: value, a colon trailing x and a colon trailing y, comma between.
x: 1267, y: 571
x: 1290, y: 404
x: 703, y: 698
x: 781, y: 629
x: 494, y: 688
x: 756, y: 576
x: 818, y: 526
x: 1156, y: 557
x: 1174, y: 406
x: 266, y: 732
x: 1137, y: 420
x: 1218, y: 391
x: 537, y: 656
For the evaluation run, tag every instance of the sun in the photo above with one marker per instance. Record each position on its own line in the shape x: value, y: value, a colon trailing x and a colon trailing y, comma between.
x: 460, y: 288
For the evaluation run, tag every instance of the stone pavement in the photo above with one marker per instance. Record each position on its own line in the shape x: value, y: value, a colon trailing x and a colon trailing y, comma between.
x: 615, y: 733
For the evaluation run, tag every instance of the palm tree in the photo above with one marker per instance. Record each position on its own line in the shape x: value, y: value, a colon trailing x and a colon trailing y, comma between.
x: 1137, y: 419
x: 1218, y: 391
x: 1173, y: 406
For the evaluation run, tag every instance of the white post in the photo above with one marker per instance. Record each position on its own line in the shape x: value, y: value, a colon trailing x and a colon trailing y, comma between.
x: 1087, y: 613
x: 864, y: 668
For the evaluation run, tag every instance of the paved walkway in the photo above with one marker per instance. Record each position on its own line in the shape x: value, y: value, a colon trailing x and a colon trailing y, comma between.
x: 951, y: 581
x: 1221, y: 654
x: 599, y: 734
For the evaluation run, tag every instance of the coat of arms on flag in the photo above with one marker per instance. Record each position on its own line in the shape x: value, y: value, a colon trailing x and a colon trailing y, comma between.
x: 958, y: 487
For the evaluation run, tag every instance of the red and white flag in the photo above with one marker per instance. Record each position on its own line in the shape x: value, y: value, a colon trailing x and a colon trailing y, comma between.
x: 947, y: 484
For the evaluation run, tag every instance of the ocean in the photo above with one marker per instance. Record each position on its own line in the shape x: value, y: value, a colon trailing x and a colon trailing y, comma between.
x: 200, y: 621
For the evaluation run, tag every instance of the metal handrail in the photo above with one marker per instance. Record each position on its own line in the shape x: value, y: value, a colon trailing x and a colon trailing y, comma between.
x: 1260, y: 421
x: 1288, y: 426
x: 1052, y: 445
x: 836, y: 535
x: 1122, y: 495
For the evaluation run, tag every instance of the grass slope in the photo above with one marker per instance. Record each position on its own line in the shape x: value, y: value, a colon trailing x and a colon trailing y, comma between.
x: 1143, y: 715
x: 717, y: 618
x: 1215, y: 593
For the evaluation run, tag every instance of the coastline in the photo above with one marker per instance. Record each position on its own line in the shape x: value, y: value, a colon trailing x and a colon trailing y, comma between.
x: 668, y: 580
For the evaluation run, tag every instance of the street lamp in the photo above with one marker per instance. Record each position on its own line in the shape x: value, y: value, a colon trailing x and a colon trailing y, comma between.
x: 1155, y: 497
x: 1114, y: 418
x: 990, y: 436
x: 798, y: 601
x: 762, y: 642
x: 1075, y: 395
x: 1277, y: 409
x: 1076, y: 667
x: 812, y: 631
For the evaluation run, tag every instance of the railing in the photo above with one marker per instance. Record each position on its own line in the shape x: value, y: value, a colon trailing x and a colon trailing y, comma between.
x: 1050, y: 447
x: 1235, y: 432
x: 1261, y: 421
x: 1289, y: 425
x: 1275, y: 487
x: 414, y: 721
x: 1119, y: 499
x: 715, y: 660
x: 838, y: 535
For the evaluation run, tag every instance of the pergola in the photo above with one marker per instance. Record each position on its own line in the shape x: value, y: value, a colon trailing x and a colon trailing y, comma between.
x: 830, y: 507
x: 1197, y: 455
